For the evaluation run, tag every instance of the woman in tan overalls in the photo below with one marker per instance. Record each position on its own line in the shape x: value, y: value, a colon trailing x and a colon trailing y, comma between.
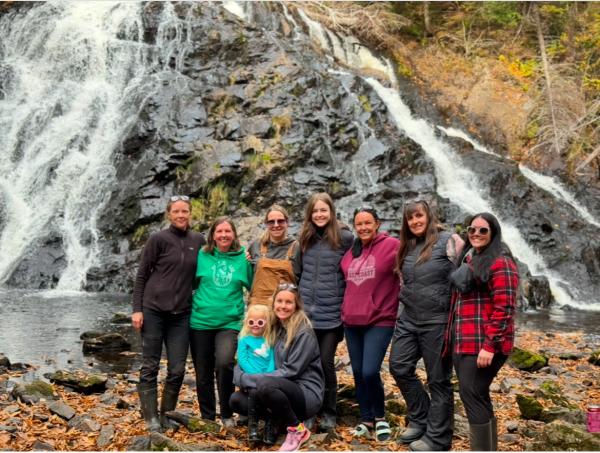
x: 276, y: 257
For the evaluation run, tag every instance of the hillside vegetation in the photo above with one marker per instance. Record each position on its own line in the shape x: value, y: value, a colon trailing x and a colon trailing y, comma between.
x: 524, y: 76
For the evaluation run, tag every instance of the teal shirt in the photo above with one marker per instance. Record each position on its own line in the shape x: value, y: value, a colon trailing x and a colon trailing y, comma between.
x: 218, y: 302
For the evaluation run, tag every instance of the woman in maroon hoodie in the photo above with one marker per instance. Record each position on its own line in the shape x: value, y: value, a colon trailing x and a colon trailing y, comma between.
x: 369, y: 314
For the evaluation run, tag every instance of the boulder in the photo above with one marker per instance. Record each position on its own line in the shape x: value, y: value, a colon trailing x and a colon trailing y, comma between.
x: 4, y: 362
x: 563, y: 436
x: 551, y: 391
x: 79, y: 381
x: 34, y: 391
x: 108, y: 342
x: 531, y: 409
x: 526, y: 360
x: 536, y: 289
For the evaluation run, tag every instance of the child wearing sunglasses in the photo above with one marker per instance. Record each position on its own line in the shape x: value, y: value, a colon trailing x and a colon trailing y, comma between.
x: 255, y: 355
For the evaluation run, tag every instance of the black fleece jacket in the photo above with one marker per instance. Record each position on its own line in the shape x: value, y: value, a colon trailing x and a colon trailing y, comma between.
x: 165, y: 278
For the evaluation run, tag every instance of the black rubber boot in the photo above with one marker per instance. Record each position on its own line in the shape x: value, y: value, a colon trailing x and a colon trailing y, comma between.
x: 271, y: 433
x: 168, y: 403
x: 494, y: 421
x: 481, y: 437
x: 253, y: 433
x: 149, y: 407
x: 328, y: 420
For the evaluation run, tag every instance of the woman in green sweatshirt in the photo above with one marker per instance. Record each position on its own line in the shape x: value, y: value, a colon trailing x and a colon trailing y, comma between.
x: 217, y: 313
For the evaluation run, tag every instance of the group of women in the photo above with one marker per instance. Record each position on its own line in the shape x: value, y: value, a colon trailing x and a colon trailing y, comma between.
x: 430, y: 293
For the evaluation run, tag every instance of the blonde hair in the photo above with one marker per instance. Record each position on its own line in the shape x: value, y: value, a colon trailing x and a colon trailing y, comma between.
x: 264, y: 240
x: 298, y: 320
x: 267, y: 313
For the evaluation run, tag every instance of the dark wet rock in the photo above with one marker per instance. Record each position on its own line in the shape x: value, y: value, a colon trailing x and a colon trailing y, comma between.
x: 90, y: 334
x: 31, y: 393
x: 39, y: 445
x: 106, y: 434
x: 122, y: 404
x: 62, y: 409
x: 108, y: 342
x: 121, y: 318
x: 194, y: 424
x: 563, y: 436
x: 4, y: 362
x: 41, y: 417
x: 84, y: 423
x: 595, y: 358
x: 139, y: 443
x: 526, y: 360
x: 537, y: 291
x: 79, y: 381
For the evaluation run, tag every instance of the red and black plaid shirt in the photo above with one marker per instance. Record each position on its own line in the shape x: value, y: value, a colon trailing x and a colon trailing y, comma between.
x: 483, y: 318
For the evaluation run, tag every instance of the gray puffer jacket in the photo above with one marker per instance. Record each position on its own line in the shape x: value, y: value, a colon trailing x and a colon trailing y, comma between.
x: 300, y: 363
x: 322, y: 282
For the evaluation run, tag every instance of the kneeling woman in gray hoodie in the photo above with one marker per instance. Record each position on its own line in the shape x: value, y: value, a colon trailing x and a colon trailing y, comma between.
x: 294, y: 391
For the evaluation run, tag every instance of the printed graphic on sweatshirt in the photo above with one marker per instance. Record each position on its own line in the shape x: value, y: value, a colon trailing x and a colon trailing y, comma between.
x: 222, y: 273
x: 361, y: 270
x: 263, y: 351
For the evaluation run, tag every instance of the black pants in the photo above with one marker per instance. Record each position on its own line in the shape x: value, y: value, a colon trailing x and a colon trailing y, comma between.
x: 213, y: 353
x: 474, y: 385
x: 277, y: 399
x: 173, y: 330
x: 328, y: 341
x: 434, y: 414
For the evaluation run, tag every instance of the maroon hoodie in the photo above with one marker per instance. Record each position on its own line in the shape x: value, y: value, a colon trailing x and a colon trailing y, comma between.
x: 372, y: 286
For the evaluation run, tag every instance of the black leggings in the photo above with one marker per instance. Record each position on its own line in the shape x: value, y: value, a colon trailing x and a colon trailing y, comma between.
x: 277, y: 398
x: 328, y: 341
x: 474, y: 385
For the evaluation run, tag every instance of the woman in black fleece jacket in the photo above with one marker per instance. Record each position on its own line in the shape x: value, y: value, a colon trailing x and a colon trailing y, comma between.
x: 161, y: 308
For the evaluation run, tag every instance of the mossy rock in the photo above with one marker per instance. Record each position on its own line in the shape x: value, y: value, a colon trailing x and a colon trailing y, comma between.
x: 194, y: 424
x: 551, y: 391
x: 562, y: 436
x: 121, y: 318
x: 595, y: 358
x: 527, y: 360
x: 80, y: 381
x: 34, y: 391
x: 395, y: 407
x: 531, y: 409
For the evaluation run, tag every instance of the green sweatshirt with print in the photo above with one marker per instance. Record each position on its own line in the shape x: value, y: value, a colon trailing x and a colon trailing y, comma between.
x: 218, y: 302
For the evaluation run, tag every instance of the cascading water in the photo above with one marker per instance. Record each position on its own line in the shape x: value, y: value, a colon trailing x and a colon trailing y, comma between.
x: 78, y: 73
x: 547, y: 183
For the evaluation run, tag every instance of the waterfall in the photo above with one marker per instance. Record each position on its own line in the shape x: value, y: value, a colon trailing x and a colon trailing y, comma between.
x: 544, y: 182
x: 76, y: 76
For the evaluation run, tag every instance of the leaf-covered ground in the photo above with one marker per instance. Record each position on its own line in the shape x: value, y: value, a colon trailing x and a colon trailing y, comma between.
x: 577, y: 379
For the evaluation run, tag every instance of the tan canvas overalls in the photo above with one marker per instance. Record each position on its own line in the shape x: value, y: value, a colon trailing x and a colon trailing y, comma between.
x: 269, y: 273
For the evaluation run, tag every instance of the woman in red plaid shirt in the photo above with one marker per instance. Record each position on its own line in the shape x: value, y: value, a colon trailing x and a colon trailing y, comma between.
x: 481, y: 324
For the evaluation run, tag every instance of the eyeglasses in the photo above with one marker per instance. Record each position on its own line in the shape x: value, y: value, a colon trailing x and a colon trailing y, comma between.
x: 274, y: 222
x: 287, y: 287
x: 180, y: 198
x: 258, y: 322
x: 481, y: 230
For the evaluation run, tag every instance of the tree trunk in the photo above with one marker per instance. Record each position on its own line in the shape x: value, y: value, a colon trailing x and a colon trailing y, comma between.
x: 546, y: 67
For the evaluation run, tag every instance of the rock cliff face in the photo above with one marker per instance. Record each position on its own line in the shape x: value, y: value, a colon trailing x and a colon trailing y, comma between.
x: 250, y: 113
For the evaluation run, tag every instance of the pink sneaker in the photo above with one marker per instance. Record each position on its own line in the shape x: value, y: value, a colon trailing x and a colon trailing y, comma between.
x: 296, y: 436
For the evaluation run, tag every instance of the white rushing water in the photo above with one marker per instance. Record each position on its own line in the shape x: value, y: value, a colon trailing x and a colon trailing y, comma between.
x: 544, y: 182
x: 78, y: 75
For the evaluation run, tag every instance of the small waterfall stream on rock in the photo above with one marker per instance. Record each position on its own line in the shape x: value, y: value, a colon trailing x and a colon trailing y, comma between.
x: 76, y: 75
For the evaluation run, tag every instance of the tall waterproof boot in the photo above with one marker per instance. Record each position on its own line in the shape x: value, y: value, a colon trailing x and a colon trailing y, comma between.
x: 253, y: 433
x: 327, y: 422
x: 494, y: 421
x: 168, y: 403
x: 149, y: 407
x: 481, y: 437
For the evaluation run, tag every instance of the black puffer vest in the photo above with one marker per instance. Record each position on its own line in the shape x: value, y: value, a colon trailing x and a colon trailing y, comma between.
x: 426, y: 286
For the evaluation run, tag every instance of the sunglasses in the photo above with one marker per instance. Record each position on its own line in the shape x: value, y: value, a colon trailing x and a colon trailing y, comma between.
x: 276, y: 222
x: 258, y: 322
x: 480, y: 230
x: 180, y: 198
x: 287, y: 287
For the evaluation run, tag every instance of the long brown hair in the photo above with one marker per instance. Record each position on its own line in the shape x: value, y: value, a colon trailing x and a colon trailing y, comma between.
x: 408, y: 240
x: 210, y: 240
x: 264, y: 239
x: 298, y: 320
x: 333, y: 231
